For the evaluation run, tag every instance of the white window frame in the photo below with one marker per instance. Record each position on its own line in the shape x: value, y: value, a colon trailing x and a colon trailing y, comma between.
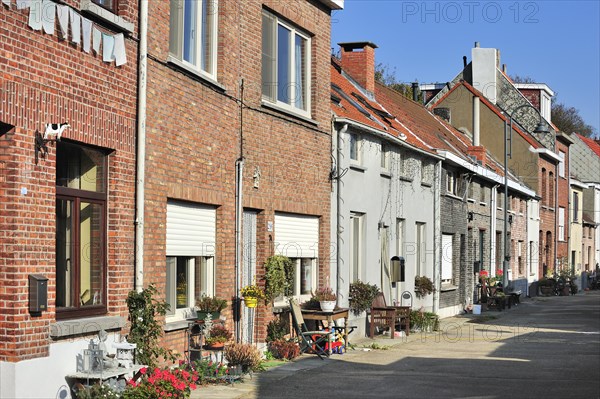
x: 297, y: 284
x: 400, y: 248
x: 356, y: 245
x: 385, y: 157
x: 450, y: 182
x: 561, y: 164
x: 447, y: 273
x: 421, y: 248
x: 272, y: 53
x: 561, y: 223
x: 354, y: 145
x: 208, y: 283
x: 176, y: 38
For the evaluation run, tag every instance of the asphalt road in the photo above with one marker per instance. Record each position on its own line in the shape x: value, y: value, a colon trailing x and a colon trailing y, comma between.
x: 543, y: 348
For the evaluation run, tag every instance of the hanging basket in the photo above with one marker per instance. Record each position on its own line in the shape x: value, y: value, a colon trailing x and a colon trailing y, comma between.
x: 250, y: 302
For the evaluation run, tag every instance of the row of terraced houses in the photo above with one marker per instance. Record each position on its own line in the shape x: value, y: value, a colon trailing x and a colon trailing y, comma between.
x: 205, y: 136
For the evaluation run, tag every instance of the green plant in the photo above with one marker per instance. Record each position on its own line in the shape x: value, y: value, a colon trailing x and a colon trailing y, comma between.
x: 546, y: 282
x: 276, y: 329
x: 279, y: 271
x: 243, y: 354
x: 98, y: 391
x: 252, y: 291
x: 424, y: 321
x: 312, y: 303
x: 218, y: 334
x: 207, y: 303
x: 208, y: 370
x: 423, y: 286
x: 162, y: 383
x: 361, y: 296
x: 283, y: 349
x: 324, y: 294
x: 146, y: 329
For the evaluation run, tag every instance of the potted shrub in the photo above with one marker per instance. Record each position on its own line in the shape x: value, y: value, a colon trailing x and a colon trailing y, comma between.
x: 326, y: 298
x: 243, y: 355
x: 251, y: 294
x: 546, y: 286
x: 361, y: 296
x: 209, y: 304
x: 217, y: 336
x: 423, y: 286
x: 279, y: 271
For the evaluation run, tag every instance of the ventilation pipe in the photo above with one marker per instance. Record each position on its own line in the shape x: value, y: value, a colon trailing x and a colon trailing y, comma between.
x: 476, y: 121
x: 415, y: 91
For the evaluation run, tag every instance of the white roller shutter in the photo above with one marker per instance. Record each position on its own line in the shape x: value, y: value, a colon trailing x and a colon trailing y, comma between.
x: 191, y: 229
x: 296, y: 236
x: 446, y: 257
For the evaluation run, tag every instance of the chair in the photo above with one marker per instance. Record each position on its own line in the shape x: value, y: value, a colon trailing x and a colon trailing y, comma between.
x: 403, y: 318
x: 382, y: 316
x: 310, y: 341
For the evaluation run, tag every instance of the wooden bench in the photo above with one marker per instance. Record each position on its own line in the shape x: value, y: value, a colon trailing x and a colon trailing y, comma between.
x: 385, y: 316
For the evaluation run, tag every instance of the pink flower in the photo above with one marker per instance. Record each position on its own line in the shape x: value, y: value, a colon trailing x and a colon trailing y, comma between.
x: 143, y: 370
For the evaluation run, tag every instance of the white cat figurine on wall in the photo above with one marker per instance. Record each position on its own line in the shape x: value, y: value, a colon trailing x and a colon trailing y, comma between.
x: 55, y: 130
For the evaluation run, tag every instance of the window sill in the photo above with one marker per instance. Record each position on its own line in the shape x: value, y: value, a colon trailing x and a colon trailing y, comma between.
x: 448, y: 287
x: 180, y: 65
x: 425, y: 184
x: 89, y: 325
x: 177, y: 325
x: 483, y: 203
x: 471, y: 200
x: 90, y: 8
x: 406, y: 179
x: 358, y: 167
x: 450, y: 195
x: 288, y: 112
x: 386, y: 174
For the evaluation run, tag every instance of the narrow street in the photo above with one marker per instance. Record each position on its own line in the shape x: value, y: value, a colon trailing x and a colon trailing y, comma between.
x: 543, y: 348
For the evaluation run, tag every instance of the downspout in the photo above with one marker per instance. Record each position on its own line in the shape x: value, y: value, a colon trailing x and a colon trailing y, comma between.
x: 141, y: 148
x: 556, y: 207
x: 339, y: 217
x: 437, y: 247
x: 239, y: 174
x: 493, y: 224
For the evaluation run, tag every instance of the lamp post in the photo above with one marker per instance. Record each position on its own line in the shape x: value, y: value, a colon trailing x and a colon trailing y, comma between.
x: 541, y: 128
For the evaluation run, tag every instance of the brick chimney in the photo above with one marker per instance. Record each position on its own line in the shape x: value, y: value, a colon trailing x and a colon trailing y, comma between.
x: 479, y: 153
x: 358, y: 61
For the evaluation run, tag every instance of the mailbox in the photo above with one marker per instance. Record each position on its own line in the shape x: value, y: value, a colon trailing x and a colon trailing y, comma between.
x: 397, y: 266
x: 38, y: 293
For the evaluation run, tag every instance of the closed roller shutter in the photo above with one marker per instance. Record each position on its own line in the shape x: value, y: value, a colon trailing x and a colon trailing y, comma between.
x: 296, y: 236
x: 191, y: 229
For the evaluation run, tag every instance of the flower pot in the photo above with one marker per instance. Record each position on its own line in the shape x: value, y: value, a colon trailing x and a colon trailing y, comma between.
x: 250, y: 302
x: 216, y: 345
x: 327, y: 306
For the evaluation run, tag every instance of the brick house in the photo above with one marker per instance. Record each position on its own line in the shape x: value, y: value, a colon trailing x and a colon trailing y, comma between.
x: 237, y: 152
x: 67, y: 206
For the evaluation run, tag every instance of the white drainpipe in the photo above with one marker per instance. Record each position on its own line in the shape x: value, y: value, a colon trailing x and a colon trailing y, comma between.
x: 141, y: 148
x: 339, y: 217
x: 437, y: 247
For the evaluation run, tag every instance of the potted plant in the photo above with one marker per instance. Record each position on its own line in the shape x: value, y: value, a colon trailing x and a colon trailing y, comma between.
x: 361, y: 296
x: 546, y: 286
x: 326, y: 298
x: 279, y: 271
x: 243, y: 355
x: 251, y: 294
x: 217, y: 336
x: 209, y: 304
x: 423, y: 286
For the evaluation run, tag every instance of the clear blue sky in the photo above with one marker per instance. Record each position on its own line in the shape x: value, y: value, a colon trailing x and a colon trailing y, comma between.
x: 553, y: 42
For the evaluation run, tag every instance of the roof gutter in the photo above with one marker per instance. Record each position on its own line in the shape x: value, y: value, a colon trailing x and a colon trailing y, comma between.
x: 385, y: 135
x: 486, y: 173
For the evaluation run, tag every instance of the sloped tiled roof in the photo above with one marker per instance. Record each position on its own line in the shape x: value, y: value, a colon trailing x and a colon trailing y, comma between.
x: 594, y: 146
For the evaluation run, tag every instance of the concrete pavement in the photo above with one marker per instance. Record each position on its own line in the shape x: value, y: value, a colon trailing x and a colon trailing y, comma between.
x: 545, y: 347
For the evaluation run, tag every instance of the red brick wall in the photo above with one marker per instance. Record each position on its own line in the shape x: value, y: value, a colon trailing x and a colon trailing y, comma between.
x: 48, y: 80
x: 562, y: 249
x: 194, y: 142
x: 533, y: 95
x: 548, y: 219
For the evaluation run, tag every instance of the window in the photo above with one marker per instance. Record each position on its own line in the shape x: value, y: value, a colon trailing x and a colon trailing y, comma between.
x: 426, y: 171
x: 447, y: 255
x: 471, y: 193
x: 450, y: 183
x: 499, y: 246
x: 356, y: 244
x: 520, y: 264
x: 575, y: 207
x: 110, y: 5
x: 385, y: 157
x: 193, y: 34
x: 420, y: 250
x: 481, y: 193
x: 354, y: 145
x: 285, y: 65
x: 187, y: 279
x: 80, y: 230
x: 544, y: 184
x: 400, y: 237
x: 190, y: 250
x: 551, y: 189
x: 561, y: 223
x: 561, y: 165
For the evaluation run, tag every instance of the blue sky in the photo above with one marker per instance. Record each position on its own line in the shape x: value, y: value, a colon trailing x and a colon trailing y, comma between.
x: 554, y: 42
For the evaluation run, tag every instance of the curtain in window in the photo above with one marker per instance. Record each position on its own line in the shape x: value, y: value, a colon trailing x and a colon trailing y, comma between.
x: 299, y: 72
x: 268, y: 56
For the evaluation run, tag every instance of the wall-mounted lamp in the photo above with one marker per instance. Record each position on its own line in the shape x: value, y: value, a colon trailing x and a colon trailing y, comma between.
x: 470, y: 216
x: 510, y: 219
x: 52, y: 134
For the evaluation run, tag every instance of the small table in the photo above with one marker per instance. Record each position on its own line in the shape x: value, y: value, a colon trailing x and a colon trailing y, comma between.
x: 320, y: 315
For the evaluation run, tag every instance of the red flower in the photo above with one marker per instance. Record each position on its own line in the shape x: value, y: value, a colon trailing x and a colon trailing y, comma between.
x: 483, y: 273
x: 143, y: 370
